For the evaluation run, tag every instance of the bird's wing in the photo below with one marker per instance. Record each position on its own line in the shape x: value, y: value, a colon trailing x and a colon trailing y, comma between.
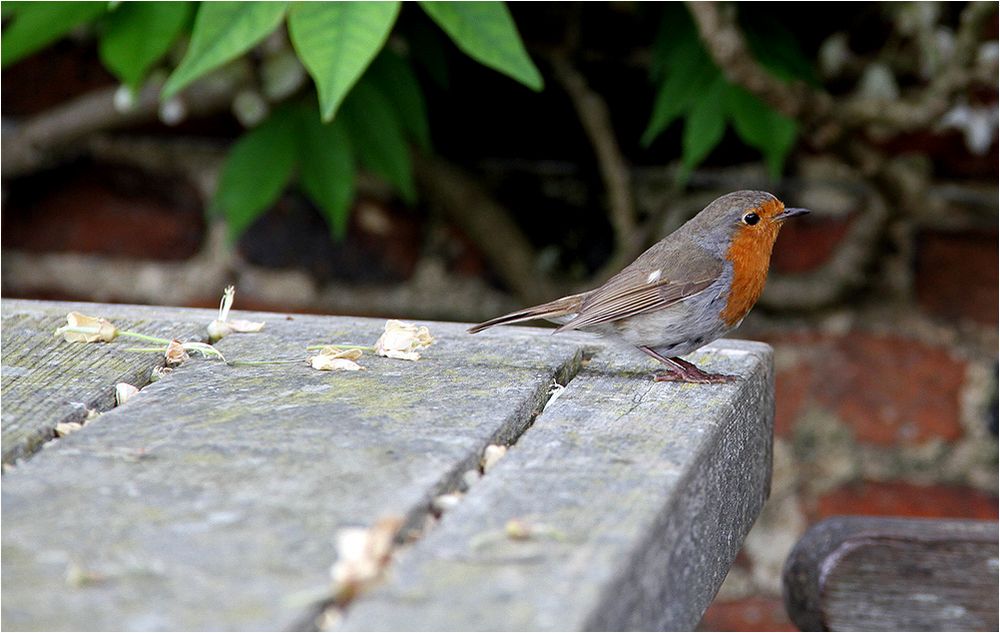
x: 635, y: 290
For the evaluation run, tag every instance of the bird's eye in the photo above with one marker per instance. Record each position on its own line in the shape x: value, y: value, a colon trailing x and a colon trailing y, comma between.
x: 751, y: 219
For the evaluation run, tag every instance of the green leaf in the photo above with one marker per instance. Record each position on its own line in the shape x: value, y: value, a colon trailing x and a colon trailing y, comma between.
x: 336, y: 41
x: 37, y: 24
x: 256, y: 171
x: 684, y: 84
x: 377, y: 136
x: 486, y: 32
x: 427, y: 49
x: 778, y: 51
x: 677, y: 34
x: 704, y: 125
x: 222, y: 32
x: 394, y: 77
x: 138, y: 35
x: 680, y: 66
x: 327, y: 168
x: 761, y: 127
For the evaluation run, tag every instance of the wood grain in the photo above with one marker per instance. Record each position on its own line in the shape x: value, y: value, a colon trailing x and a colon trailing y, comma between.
x: 211, y: 500
x: 46, y: 381
x: 636, y: 500
x: 886, y: 574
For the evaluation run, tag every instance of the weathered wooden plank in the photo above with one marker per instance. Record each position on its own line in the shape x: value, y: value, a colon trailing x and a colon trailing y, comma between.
x: 887, y: 574
x: 46, y: 380
x: 637, y: 496
x: 210, y: 500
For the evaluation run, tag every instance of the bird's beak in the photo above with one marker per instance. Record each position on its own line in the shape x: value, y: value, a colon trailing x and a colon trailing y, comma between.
x: 790, y: 213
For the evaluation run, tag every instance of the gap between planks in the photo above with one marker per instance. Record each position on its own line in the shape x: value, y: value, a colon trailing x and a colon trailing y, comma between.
x: 89, y: 411
x: 419, y: 520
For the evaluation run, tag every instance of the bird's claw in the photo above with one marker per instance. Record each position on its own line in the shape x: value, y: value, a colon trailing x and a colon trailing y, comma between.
x: 698, y: 377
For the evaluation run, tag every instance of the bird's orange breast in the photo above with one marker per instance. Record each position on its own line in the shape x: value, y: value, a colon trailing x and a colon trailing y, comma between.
x: 750, y: 254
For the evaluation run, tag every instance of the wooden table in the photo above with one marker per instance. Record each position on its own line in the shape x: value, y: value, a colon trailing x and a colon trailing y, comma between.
x: 211, y: 499
x: 863, y: 573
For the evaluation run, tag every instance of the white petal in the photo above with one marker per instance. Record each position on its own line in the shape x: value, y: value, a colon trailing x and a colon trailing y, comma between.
x: 351, y: 543
x: 175, y: 354
x: 391, y: 353
x: 239, y: 325
x: 65, y: 428
x: 99, y: 329
x: 492, y: 454
x: 329, y: 363
x: 218, y: 329
x: 402, y: 338
x: 124, y: 391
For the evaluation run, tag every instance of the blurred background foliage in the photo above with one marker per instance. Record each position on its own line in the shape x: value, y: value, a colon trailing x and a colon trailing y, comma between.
x: 366, y: 105
x: 544, y: 145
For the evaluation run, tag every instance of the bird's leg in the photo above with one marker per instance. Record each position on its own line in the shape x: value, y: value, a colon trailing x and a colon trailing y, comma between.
x: 688, y: 372
x: 679, y: 370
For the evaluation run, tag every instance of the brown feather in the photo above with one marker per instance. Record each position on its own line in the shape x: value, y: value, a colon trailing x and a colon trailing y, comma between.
x: 630, y: 292
x: 557, y: 308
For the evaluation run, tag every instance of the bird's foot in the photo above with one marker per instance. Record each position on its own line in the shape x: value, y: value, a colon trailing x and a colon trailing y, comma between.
x: 693, y: 375
x: 679, y: 370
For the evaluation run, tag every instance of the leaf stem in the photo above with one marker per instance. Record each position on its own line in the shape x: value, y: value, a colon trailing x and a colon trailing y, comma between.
x: 144, y: 337
x: 251, y: 363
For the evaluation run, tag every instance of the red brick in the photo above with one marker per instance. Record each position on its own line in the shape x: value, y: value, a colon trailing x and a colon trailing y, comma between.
x: 948, y: 149
x: 104, y: 209
x: 878, y: 385
x: 464, y: 256
x: 382, y: 244
x: 905, y: 499
x: 807, y: 243
x: 892, y: 390
x: 956, y: 275
x: 791, y: 389
x: 749, y: 614
x: 69, y: 69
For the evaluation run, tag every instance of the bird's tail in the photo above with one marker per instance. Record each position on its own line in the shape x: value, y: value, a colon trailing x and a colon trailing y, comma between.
x: 552, y: 309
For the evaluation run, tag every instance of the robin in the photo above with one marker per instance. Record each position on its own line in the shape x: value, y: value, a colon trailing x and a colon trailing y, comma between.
x: 688, y: 289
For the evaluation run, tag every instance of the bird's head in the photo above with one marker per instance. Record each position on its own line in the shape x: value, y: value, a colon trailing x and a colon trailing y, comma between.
x: 742, y: 223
